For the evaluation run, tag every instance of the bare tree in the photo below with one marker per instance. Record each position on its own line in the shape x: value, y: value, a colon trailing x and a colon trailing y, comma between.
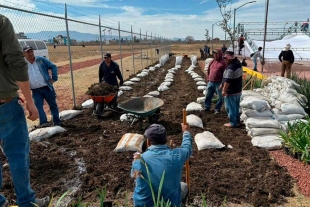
x: 226, y: 14
x: 189, y: 39
x: 207, y: 36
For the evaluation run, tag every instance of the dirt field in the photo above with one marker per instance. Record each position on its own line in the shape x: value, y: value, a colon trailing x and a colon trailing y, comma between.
x: 83, y: 156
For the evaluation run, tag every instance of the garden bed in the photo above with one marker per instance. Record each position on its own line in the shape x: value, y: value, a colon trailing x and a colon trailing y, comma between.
x: 83, y: 156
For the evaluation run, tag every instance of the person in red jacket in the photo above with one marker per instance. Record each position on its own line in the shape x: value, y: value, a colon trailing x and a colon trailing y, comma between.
x: 214, y: 77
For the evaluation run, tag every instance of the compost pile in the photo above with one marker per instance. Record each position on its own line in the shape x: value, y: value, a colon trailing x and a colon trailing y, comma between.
x: 101, y: 89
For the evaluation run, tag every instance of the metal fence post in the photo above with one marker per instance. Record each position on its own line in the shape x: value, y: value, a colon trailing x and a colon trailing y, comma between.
x: 152, y: 47
x: 147, y: 50
x: 120, y: 45
x: 70, y: 58
x: 141, y: 50
x: 133, y: 53
x: 100, y: 38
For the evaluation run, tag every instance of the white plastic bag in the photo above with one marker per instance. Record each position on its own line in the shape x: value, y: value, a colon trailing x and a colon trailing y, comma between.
x: 46, y: 132
x: 194, y: 121
x: 207, y: 140
x: 194, y: 107
x: 88, y: 104
x: 68, y: 114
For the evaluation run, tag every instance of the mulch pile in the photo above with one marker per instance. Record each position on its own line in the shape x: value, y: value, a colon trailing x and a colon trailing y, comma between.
x: 101, y: 89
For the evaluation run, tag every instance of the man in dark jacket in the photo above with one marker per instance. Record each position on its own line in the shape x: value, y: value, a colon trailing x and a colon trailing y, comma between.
x: 232, y: 88
x: 286, y: 57
x: 214, y: 77
x: 108, y: 73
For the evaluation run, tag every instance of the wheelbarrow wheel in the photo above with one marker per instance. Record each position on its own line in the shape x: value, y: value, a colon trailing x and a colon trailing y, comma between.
x: 98, y: 110
x: 154, y: 118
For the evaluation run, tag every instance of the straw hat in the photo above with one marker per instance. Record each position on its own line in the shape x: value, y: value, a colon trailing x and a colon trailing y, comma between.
x: 287, y: 46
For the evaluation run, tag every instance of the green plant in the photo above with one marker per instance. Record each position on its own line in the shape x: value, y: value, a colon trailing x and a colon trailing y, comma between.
x: 303, y: 89
x: 256, y: 82
x: 102, y: 194
x: 297, y: 138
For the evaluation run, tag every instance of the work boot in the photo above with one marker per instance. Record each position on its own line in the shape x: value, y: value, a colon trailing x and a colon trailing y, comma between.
x: 43, y: 202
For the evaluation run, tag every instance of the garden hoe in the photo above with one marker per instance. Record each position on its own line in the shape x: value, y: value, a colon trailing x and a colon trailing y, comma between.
x: 187, y: 170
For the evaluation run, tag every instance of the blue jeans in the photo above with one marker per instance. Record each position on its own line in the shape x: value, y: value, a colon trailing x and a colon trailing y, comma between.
x: 255, y: 64
x: 232, y: 105
x: 45, y: 93
x: 15, y: 144
x: 213, y: 87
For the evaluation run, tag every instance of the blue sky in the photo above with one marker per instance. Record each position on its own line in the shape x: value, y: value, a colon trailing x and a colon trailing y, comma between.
x: 167, y: 18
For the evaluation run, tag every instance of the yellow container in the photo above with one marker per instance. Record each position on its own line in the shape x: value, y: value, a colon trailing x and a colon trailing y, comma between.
x: 253, y: 73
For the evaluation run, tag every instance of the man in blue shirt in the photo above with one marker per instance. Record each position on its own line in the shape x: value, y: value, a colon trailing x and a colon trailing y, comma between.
x: 159, y: 159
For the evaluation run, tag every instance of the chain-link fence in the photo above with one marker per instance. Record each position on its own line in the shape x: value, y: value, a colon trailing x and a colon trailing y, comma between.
x: 77, y: 45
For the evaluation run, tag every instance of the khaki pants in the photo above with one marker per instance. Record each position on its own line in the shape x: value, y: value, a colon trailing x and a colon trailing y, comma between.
x: 286, y: 67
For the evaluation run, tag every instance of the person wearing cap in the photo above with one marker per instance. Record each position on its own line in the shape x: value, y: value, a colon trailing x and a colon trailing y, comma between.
x: 214, y: 78
x: 159, y: 159
x: 14, y: 134
x: 255, y: 56
x: 232, y: 88
x: 41, y: 84
x: 286, y: 57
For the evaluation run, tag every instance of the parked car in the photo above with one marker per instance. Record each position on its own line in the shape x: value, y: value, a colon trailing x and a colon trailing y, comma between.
x: 39, y: 46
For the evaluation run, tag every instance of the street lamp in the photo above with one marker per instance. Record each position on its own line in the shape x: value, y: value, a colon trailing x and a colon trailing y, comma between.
x: 212, y: 33
x: 234, y: 29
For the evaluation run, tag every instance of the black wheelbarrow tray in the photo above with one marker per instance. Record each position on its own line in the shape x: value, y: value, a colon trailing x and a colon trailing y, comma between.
x: 143, y: 107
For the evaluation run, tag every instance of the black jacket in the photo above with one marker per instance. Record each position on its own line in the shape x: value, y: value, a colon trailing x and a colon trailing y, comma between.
x: 287, y: 55
x: 109, y: 74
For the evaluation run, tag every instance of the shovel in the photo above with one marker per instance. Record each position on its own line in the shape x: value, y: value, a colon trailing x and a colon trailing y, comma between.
x: 187, y: 169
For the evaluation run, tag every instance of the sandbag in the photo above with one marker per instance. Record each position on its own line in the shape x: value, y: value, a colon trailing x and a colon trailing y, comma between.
x: 119, y: 93
x: 128, y: 83
x: 178, y: 60
x: 201, y: 99
x: 154, y: 93
x: 130, y: 142
x: 253, y: 132
x: 201, y: 83
x: 46, y: 132
x: 255, y: 103
x: 207, y: 140
x: 88, y: 104
x: 125, y: 88
x: 287, y: 117
x: 201, y: 88
x: 140, y: 75
x: 262, y: 122
x: 198, y: 79
x: 194, y: 121
x: 254, y: 113
x: 168, y: 80
x: 135, y: 79
x: 289, y: 108
x: 163, y: 88
x: 165, y: 84
x: 194, y: 107
x: 128, y: 117
x: 68, y: 114
x: 270, y: 142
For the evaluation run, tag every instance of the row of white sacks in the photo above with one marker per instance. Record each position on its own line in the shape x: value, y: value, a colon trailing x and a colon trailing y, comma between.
x: 267, y: 110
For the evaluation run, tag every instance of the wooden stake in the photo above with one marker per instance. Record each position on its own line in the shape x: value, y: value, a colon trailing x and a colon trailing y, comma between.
x: 187, y: 168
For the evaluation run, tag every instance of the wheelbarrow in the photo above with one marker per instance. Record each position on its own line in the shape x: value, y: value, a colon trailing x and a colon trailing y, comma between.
x: 103, y: 104
x: 141, y: 108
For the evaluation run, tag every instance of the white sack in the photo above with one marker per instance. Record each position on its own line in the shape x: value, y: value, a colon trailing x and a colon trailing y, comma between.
x: 178, y: 60
x: 287, y: 117
x: 198, y: 79
x: 165, y: 83
x: 135, y: 79
x: 68, y: 114
x: 119, y: 93
x: 262, y: 122
x: 262, y: 131
x: 130, y: 142
x: 254, y: 113
x: 163, y: 88
x: 128, y: 83
x: 201, y: 88
x: 207, y: 140
x: 254, y: 103
x: 194, y: 121
x: 46, y: 132
x: 201, y: 83
x: 194, y: 107
x: 128, y: 117
x: 88, y: 104
x: 288, y: 108
x: 125, y: 88
x: 201, y: 100
x: 154, y: 93
x: 168, y: 80
x: 270, y: 142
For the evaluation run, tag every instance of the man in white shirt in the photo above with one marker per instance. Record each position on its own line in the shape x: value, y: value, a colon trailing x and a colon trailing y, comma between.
x: 255, y: 56
x: 41, y: 84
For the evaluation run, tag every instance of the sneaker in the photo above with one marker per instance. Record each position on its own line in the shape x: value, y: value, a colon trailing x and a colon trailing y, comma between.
x: 43, y: 202
x: 44, y: 125
x: 216, y: 112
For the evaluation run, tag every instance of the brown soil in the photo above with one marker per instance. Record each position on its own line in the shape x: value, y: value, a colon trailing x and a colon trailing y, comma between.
x: 101, y: 89
x: 83, y: 156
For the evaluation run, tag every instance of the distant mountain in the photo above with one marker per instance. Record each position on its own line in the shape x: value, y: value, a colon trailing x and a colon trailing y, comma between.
x: 79, y: 36
x: 48, y: 35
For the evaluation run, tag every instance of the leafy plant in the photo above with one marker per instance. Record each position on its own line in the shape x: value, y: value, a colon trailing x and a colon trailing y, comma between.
x: 297, y: 138
x: 304, y: 89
